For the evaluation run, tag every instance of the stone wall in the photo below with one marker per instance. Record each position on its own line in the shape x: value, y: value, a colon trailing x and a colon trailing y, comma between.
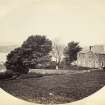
x: 91, y: 60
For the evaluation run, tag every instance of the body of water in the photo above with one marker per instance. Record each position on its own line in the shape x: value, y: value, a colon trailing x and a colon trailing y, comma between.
x: 3, y: 57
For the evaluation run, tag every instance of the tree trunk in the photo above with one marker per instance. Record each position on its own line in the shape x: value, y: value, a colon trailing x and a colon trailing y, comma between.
x: 57, y: 67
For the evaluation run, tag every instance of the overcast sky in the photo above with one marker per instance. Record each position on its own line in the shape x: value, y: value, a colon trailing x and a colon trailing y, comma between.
x: 78, y: 20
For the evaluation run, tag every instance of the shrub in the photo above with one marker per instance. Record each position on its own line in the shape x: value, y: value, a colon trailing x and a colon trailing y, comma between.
x: 15, y: 62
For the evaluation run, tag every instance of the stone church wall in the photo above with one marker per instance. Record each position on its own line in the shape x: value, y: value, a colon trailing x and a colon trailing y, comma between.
x: 91, y: 60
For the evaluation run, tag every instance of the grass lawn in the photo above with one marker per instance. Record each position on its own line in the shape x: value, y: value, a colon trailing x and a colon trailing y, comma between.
x: 62, y: 88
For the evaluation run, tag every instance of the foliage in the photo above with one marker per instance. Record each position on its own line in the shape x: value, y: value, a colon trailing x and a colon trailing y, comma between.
x: 34, y: 51
x: 9, y: 75
x: 15, y: 61
x: 39, y: 44
x: 39, y: 48
x: 71, y: 51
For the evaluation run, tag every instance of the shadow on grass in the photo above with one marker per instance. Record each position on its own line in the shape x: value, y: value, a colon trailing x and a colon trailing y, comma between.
x: 55, y: 88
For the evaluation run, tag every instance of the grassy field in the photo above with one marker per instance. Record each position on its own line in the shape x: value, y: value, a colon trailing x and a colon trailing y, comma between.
x: 62, y: 88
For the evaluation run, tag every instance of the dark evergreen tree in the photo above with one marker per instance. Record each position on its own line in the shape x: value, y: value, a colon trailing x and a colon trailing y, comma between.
x: 71, y: 51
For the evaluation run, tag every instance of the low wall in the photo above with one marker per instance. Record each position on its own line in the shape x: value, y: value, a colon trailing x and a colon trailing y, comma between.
x: 43, y: 71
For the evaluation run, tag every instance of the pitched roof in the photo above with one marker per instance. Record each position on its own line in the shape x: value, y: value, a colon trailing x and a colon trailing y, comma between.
x: 98, y: 49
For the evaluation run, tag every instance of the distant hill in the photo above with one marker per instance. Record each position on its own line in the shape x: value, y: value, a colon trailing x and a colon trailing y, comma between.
x: 7, y: 48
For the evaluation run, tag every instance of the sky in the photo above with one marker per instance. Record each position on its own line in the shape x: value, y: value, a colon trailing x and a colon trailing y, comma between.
x: 66, y: 20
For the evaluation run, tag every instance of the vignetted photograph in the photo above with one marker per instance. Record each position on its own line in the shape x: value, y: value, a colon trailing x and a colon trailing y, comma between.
x: 52, y: 51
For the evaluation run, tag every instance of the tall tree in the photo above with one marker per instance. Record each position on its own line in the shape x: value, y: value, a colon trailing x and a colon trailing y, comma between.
x: 39, y: 44
x: 34, y: 51
x: 57, y: 52
x: 39, y: 47
x: 71, y: 51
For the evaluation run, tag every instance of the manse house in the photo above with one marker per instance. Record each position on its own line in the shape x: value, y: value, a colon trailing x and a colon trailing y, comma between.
x: 94, y: 57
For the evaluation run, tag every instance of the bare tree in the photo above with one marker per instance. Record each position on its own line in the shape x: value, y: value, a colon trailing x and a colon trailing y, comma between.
x: 57, y: 52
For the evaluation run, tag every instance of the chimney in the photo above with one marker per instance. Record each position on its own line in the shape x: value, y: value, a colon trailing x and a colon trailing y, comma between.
x: 90, y: 48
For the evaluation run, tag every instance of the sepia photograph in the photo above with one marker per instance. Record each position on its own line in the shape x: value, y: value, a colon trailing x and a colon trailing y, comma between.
x: 52, y: 51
